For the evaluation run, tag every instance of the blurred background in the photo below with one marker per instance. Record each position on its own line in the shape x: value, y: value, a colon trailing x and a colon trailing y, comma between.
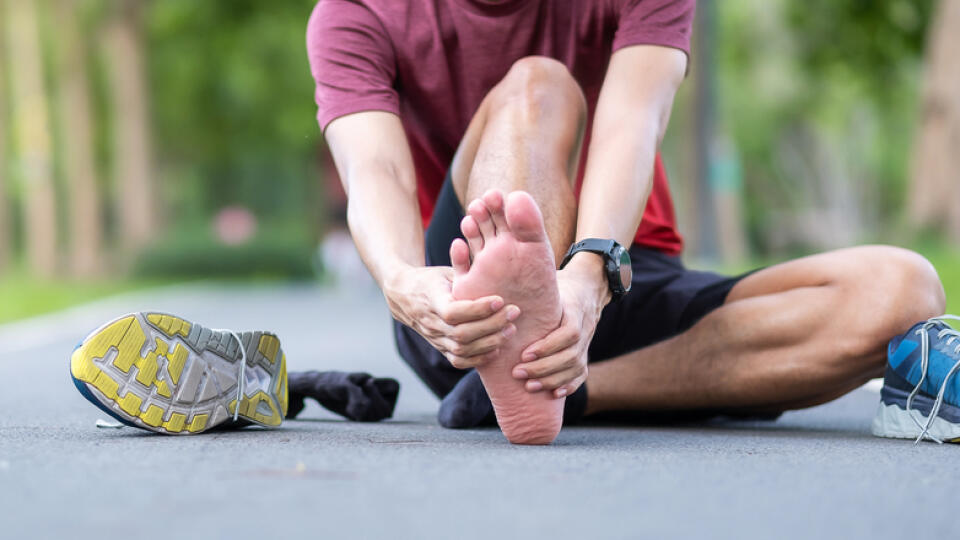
x: 145, y: 142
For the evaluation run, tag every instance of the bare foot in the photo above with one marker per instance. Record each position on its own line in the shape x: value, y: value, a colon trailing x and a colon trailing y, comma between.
x: 512, y: 258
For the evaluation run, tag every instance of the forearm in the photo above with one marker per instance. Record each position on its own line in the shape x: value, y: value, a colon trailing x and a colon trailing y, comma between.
x: 384, y: 220
x: 618, y: 179
x: 375, y: 165
x: 631, y: 117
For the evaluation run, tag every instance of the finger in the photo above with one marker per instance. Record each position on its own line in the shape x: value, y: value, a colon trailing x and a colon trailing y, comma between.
x: 461, y: 362
x: 571, y: 387
x: 485, y: 344
x: 461, y: 311
x: 478, y: 211
x: 460, y: 257
x: 496, y: 323
x: 543, y: 367
x: 561, y: 338
x: 471, y: 231
x: 493, y: 199
x: 555, y: 381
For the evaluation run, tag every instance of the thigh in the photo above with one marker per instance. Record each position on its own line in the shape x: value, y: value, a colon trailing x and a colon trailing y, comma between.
x: 665, y: 299
x: 829, y: 268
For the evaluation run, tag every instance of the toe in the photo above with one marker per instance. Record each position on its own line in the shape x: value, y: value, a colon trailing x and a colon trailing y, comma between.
x: 478, y: 211
x: 459, y: 257
x: 493, y: 199
x: 524, y: 218
x: 471, y: 231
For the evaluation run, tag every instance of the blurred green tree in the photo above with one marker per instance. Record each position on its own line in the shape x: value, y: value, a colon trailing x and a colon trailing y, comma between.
x: 935, y: 174
x: 819, y: 98
x: 232, y: 94
x: 30, y: 118
x: 5, y: 233
x: 137, y: 203
x: 85, y: 231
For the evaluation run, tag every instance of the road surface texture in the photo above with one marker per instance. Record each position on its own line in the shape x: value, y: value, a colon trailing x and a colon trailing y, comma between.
x: 812, y: 474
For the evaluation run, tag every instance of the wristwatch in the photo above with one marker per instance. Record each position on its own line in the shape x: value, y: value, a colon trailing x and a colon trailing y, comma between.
x: 616, y: 262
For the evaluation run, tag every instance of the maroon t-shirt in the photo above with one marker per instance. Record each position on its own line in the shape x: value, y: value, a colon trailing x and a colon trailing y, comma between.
x: 432, y: 62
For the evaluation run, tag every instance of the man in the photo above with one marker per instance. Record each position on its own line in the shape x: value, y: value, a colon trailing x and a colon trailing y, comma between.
x: 433, y: 107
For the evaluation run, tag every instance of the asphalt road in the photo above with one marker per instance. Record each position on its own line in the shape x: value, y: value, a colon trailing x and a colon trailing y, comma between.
x: 811, y: 474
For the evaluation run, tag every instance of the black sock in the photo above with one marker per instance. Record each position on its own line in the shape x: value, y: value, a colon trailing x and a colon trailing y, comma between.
x: 468, y: 405
x: 356, y: 396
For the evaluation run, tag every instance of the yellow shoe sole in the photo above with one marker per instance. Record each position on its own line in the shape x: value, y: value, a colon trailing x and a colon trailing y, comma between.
x: 159, y: 372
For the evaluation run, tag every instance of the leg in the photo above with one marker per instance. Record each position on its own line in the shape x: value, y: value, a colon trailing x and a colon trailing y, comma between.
x: 790, y: 336
x: 526, y: 136
x: 537, y: 95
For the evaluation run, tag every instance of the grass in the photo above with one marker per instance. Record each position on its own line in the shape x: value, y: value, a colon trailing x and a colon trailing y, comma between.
x: 23, y: 296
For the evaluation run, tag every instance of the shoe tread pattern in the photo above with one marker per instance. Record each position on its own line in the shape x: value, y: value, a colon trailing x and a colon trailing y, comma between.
x: 165, y: 374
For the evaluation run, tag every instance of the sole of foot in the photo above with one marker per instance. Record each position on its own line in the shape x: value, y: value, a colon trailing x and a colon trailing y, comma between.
x: 512, y: 257
x: 161, y: 373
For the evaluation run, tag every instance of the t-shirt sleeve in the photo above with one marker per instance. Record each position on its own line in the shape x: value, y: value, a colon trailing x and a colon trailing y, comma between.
x: 655, y: 22
x: 351, y: 59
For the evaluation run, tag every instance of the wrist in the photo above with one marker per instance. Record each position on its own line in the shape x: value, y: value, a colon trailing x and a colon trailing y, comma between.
x: 590, y: 268
x: 396, y: 284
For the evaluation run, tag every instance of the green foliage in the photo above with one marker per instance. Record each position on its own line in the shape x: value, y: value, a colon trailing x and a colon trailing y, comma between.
x: 233, y: 105
x: 191, y: 251
x: 842, y: 75
x: 869, y: 38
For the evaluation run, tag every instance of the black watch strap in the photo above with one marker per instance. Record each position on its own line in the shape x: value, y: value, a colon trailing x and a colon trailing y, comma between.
x: 592, y: 245
x: 610, y: 250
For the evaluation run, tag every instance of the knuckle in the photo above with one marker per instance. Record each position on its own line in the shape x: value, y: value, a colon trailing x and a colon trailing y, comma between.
x: 480, y: 349
x: 552, y: 383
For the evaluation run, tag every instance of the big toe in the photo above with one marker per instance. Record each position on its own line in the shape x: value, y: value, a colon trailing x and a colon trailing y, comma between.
x: 524, y: 217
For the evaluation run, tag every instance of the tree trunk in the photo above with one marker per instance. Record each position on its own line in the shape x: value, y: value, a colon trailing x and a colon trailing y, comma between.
x: 122, y: 41
x: 5, y: 241
x: 935, y: 174
x: 29, y: 100
x: 85, y: 230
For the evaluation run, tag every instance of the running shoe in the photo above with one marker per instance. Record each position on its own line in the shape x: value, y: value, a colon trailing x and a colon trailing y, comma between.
x: 161, y: 373
x: 920, y: 398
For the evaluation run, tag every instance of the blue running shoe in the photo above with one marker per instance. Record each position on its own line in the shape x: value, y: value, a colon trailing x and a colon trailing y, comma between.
x: 921, y: 394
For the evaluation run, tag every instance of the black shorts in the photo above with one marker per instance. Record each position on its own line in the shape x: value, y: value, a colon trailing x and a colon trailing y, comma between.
x: 664, y: 300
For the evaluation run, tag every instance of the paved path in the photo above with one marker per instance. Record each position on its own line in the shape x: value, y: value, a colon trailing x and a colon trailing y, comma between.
x: 816, y: 473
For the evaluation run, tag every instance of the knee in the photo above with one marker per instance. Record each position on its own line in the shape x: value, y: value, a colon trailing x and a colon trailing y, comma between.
x: 913, y: 286
x: 537, y: 86
x: 896, y: 288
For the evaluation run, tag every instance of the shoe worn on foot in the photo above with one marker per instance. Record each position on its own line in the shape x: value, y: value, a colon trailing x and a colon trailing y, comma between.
x: 161, y: 373
x: 921, y: 394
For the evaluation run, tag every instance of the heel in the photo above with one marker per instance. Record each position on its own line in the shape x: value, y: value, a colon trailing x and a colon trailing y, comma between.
x: 265, y: 396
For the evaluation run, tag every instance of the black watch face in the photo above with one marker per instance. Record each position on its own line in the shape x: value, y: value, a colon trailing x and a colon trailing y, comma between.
x: 626, y: 269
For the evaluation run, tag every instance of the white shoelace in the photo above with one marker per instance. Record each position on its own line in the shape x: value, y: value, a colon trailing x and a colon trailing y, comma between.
x: 924, y: 333
x: 241, y: 379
